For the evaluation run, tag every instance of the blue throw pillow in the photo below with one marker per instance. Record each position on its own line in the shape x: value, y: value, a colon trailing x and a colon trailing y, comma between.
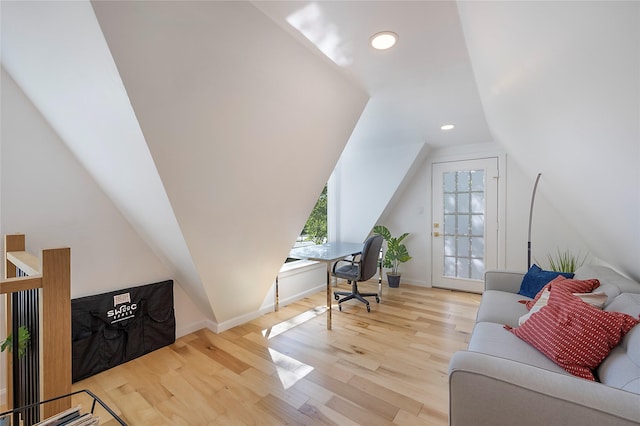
x: 536, y: 278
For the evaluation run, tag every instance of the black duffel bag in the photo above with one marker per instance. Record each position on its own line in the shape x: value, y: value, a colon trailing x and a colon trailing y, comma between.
x: 111, y: 328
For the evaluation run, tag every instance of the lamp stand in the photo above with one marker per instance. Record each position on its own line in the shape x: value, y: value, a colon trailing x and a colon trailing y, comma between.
x: 533, y: 197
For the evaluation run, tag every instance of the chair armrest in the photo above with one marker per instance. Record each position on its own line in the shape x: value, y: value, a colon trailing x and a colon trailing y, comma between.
x: 503, y: 280
x: 351, y: 260
x: 488, y: 390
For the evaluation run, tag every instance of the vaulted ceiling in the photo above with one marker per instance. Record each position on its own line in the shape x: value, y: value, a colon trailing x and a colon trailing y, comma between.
x: 200, y: 119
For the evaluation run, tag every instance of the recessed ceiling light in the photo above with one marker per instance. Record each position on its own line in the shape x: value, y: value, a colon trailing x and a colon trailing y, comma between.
x: 384, y: 40
x: 447, y: 127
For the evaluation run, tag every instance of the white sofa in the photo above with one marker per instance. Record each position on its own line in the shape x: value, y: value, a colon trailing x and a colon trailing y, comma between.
x: 502, y: 380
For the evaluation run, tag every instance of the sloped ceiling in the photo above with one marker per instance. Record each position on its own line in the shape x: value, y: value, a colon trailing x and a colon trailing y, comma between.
x: 56, y: 52
x: 238, y: 117
x: 77, y: 210
x: 560, y: 86
x: 229, y: 113
x: 423, y: 82
x: 223, y: 133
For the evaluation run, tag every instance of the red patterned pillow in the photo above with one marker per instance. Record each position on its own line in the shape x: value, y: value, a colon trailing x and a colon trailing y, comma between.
x: 574, y: 334
x: 569, y: 284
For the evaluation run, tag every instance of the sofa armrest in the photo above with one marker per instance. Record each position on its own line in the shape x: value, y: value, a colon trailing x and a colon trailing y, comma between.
x: 488, y: 390
x: 503, y: 280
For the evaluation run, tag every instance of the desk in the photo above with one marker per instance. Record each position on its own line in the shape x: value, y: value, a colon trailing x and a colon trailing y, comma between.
x: 327, y: 253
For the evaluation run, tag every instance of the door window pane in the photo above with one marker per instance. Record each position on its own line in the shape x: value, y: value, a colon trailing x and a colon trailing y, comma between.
x: 463, y: 203
x: 449, y: 184
x: 477, y: 180
x: 477, y: 224
x: 463, y: 246
x: 477, y: 269
x: 463, y: 180
x: 477, y: 247
x: 463, y: 268
x: 463, y: 224
x: 477, y: 202
x: 450, y: 224
x: 449, y: 246
x: 449, y: 203
x: 449, y: 266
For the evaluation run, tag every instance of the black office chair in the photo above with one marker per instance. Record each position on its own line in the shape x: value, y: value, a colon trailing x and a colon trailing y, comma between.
x: 360, y: 269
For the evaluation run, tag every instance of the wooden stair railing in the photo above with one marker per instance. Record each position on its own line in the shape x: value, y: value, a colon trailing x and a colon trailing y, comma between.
x: 53, y: 277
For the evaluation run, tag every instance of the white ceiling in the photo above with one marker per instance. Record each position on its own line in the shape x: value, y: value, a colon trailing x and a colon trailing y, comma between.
x: 424, y: 81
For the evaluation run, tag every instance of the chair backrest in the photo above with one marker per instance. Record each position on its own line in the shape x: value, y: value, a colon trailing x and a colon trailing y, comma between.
x: 369, y: 259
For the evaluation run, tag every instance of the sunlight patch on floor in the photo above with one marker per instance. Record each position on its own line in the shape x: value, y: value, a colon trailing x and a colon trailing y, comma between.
x: 289, y: 370
x: 293, y: 322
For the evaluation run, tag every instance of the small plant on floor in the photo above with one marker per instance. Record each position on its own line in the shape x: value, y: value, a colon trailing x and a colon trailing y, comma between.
x: 23, y: 341
x: 396, y: 252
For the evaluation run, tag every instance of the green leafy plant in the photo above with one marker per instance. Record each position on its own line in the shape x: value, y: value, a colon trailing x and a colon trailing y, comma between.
x: 23, y: 341
x: 565, y: 261
x: 396, y: 251
x: 316, y: 227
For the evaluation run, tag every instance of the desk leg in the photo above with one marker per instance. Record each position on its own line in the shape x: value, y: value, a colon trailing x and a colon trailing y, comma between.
x: 328, y: 295
x: 277, y: 298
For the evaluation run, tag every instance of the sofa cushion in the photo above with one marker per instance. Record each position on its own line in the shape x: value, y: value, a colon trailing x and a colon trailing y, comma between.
x: 611, y: 282
x: 627, y: 303
x: 568, y: 284
x: 574, y: 334
x: 492, y: 339
x: 595, y: 299
x: 621, y: 369
x: 536, y: 278
x: 500, y: 307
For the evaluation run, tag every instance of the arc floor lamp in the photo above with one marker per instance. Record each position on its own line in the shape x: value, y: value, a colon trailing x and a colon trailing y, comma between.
x: 533, y: 198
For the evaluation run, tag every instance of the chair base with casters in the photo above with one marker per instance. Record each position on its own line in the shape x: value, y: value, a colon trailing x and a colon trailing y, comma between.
x: 360, y: 268
x: 355, y: 294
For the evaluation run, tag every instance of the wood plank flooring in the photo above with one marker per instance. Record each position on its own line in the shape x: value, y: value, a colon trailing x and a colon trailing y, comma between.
x: 386, y: 367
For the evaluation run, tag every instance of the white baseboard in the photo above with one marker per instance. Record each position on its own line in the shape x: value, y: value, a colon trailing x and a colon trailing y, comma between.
x: 284, y: 302
x: 233, y: 322
x: 3, y: 396
x: 193, y: 327
x: 419, y: 283
x: 226, y: 325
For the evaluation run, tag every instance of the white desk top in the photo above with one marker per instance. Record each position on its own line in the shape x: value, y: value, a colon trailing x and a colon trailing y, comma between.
x: 326, y: 252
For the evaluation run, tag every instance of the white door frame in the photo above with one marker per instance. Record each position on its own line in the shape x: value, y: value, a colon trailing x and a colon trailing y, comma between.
x: 499, y: 259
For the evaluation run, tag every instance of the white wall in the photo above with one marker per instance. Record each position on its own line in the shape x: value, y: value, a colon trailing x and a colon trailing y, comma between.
x: 229, y: 125
x: 366, y: 178
x: 296, y: 280
x: 411, y: 212
x: 47, y: 195
x: 563, y: 99
x: 560, y: 84
x: 222, y: 96
x: 550, y: 231
x: 56, y: 53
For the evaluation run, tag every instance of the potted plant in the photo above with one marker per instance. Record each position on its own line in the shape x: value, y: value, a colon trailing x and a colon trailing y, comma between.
x: 566, y: 261
x: 396, y: 253
x: 23, y: 341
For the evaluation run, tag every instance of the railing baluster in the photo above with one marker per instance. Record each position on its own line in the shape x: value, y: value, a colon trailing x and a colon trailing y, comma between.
x: 26, y: 370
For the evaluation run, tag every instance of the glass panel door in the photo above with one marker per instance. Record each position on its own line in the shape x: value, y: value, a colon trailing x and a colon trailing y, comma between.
x: 464, y: 233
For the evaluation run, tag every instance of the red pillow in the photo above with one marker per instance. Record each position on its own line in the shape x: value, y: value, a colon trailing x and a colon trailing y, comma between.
x: 574, y: 334
x: 569, y: 284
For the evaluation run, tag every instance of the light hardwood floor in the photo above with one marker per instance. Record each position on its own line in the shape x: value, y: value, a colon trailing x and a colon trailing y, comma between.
x: 385, y: 367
